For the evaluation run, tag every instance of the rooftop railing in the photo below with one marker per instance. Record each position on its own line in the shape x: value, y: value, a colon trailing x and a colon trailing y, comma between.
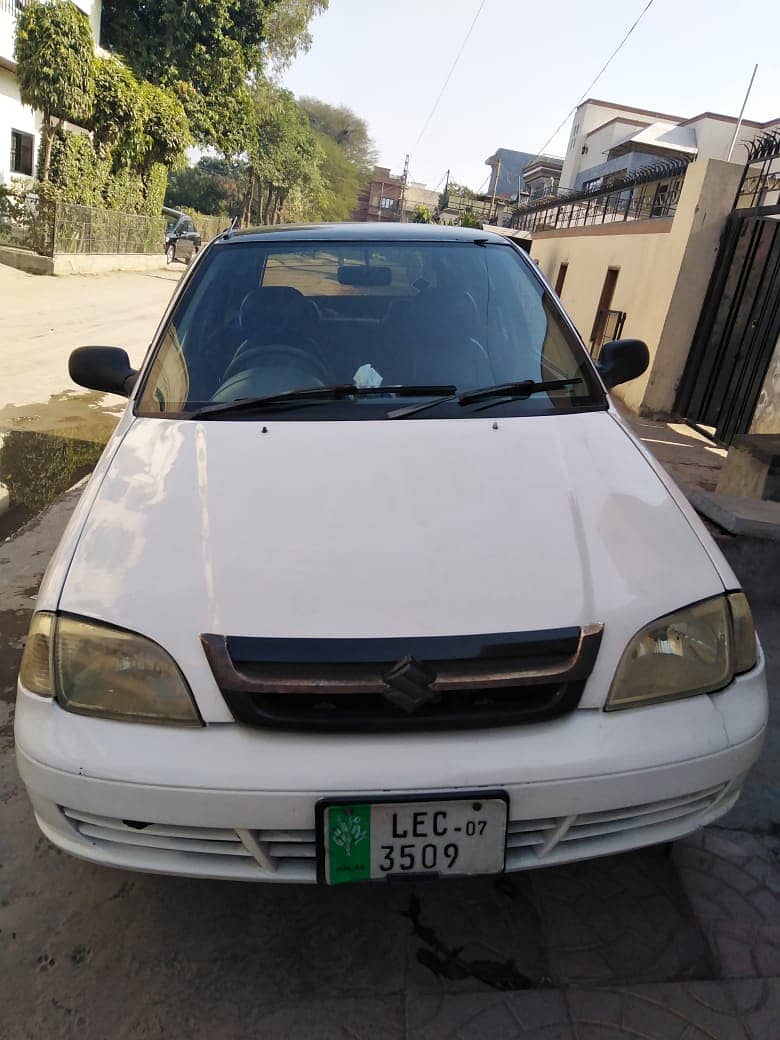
x: 650, y: 192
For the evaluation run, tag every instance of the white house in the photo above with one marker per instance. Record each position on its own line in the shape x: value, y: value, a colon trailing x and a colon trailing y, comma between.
x: 610, y: 140
x: 19, y: 124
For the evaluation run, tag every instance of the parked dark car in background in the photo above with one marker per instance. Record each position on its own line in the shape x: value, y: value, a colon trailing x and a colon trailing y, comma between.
x: 182, y: 239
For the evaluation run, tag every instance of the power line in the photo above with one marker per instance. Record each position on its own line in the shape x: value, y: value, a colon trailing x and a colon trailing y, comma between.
x: 449, y: 74
x: 593, y: 83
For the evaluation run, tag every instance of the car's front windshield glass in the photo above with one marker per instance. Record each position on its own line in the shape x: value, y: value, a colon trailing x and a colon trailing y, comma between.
x: 260, y: 319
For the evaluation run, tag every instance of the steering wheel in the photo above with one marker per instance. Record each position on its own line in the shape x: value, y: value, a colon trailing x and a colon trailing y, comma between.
x: 277, y: 354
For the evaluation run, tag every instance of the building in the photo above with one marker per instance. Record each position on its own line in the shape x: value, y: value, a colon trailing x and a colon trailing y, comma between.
x: 457, y: 203
x: 382, y: 198
x: 19, y: 124
x: 685, y: 255
x: 389, y: 197
x: 609, y: 141
x: 415, y: 195
x: 506, y: 172
x: 542, y: 176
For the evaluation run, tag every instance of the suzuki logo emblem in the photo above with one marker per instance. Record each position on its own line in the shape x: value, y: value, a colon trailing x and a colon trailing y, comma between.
x: 409, y: 684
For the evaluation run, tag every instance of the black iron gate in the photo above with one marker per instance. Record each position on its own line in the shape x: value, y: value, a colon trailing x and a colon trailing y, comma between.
x: 739, y: 323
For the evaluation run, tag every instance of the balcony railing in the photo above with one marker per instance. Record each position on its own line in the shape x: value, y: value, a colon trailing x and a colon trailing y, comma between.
x: 651, y: 192
x: 12, y: 7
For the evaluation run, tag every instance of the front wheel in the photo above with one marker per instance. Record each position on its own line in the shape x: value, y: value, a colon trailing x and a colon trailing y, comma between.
x: 170, y: 253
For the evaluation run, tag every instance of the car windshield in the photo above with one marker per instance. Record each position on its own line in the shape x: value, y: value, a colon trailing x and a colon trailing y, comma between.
x: 260, y: 319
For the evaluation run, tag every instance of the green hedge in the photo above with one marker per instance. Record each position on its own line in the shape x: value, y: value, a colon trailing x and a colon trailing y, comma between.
x: 36, y: 467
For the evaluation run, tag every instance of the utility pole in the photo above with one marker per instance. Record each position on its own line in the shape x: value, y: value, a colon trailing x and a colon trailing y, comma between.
x: 495, y: 189
x: 741, y: 113
x: 403, y: 188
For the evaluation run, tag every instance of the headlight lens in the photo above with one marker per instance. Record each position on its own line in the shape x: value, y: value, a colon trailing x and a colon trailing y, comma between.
x: 100, y: 670
x: 35, y: 672
x: 679, y: 655
x: 745, y: 647
x: 95, y: 669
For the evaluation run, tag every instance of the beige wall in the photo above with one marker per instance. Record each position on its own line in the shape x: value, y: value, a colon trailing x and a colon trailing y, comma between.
x: 664, y: 266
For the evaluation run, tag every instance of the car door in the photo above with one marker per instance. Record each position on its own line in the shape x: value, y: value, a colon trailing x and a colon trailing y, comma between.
x: 185, y: 247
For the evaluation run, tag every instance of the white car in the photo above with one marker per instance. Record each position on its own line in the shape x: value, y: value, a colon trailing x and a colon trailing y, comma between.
x: 373, y: 581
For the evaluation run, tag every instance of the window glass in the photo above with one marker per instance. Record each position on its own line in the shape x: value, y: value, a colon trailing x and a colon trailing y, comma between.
x: 259, y: 319
x: 22, y: 152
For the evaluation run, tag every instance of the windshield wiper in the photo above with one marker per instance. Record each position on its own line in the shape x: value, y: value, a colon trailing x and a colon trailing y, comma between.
x: 509, y: 391
x: 516, y: 391
x: 315, y: 393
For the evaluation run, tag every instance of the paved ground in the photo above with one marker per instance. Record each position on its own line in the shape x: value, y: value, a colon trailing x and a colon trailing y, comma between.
x: 648, y: 945
x: 660, y: 945
x: 120, y: 309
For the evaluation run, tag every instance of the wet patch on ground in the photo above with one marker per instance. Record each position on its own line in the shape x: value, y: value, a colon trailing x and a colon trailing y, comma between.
x: 45, y: 448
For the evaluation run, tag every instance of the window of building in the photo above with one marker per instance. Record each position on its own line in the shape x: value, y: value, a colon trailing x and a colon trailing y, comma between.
x: 22, y: 152
x: 563, y: 268
x: 593, y: 185
x: 387, y: 203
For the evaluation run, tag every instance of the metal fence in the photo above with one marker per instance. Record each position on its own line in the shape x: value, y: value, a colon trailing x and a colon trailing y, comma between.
x: 651, y: 192
x: 50, y: 228
x: 26, y: 222
x: 84, y: 229
x: 760, y: 184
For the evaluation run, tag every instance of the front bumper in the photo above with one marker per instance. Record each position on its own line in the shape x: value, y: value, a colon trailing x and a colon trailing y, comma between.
x: 233, y: 802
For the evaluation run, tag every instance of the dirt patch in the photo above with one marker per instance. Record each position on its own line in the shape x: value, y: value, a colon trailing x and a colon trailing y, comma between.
x: 13, y: 626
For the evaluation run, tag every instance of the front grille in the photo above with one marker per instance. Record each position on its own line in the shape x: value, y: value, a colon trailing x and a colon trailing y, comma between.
x: 178, y: 848
x: 402, y: 684
x: 531, y: 843
x: 291, y: 855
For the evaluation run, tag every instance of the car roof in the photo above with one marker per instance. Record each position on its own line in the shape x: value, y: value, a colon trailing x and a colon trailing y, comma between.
x: 368, y: 232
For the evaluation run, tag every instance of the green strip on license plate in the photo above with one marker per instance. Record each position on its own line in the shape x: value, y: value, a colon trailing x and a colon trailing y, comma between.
x: 348, y: 838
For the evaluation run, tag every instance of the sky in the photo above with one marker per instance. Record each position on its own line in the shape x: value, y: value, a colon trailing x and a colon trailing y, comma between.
x: 525, y: 67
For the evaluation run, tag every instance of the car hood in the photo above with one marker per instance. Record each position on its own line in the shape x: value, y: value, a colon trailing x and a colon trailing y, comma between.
x: 359, y: 529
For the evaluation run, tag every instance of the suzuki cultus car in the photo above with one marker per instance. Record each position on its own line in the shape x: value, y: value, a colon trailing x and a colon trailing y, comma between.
x: 372, y: 581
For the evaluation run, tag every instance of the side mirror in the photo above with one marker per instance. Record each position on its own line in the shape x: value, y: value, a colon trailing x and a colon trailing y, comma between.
x: 621, y: 360
x: 103, y: 368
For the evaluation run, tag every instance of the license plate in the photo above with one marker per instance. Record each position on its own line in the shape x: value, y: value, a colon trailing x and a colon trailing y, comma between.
x: 369, y: 841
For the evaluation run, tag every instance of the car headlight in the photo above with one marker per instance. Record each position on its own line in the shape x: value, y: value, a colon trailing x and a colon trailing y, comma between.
x: 96, y: 669
x: 695, y: 650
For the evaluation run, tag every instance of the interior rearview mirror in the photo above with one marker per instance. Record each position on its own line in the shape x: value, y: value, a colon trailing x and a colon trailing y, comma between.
x: 103, y: 368
x: 355, y: 274
x: 621, y: 360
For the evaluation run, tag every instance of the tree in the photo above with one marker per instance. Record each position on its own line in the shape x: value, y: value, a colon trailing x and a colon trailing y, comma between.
x: 54, y: 53
x: 205, y: 49
x: 348, y: 130
x: 422, y: 215
x: 284, y: 155
x: 117, y: 112
x: 214, y: 186
x: 287, y: 29
x: 209, y: 52
x: 469, y: 220
x: 349, y: 156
